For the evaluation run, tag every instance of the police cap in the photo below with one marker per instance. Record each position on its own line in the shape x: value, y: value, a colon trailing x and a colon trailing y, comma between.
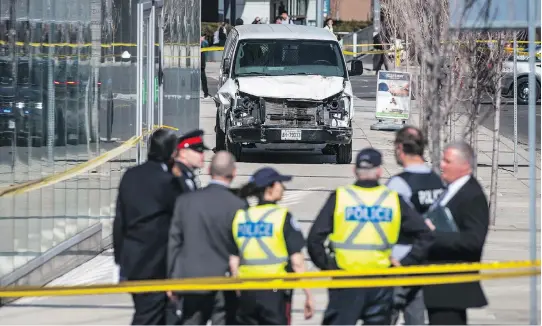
x: 267, y: 176
x: 368, y: 158
x: 192, y: 140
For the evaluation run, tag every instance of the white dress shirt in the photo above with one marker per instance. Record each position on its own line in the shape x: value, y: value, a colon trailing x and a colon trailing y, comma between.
x: 453, y: 188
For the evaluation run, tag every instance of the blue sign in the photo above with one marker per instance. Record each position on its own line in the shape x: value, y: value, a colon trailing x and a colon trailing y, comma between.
x: 255, y: 230
x: 326, y: 10
x: 374, y: 214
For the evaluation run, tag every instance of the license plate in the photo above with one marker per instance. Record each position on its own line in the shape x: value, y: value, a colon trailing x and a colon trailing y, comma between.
x: 290, y: 134
x: 11, y: 124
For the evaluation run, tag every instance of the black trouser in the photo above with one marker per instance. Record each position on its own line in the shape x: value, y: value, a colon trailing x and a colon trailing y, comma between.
x: 217, y: 306
x: 152, y: 309
x: 447, y: 316
x: 409, y: 300
x: 379, y: 60
x: 264, y: 307
x: 347, y: 306
x: 204, y: 82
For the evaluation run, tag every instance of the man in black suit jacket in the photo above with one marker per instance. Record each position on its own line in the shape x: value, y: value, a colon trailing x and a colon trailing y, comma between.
x: 447, y: 303
x: 201, y: 241
x: 145, y: 202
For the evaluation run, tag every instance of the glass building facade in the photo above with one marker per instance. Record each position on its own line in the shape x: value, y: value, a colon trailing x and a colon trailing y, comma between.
x: 68, y: 95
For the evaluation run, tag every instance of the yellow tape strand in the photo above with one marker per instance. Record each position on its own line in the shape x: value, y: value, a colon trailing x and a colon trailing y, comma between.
x: 76, y: 170
x: 238, y: 284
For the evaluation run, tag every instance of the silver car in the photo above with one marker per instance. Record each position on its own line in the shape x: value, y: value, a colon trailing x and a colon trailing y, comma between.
x: 507, y: 89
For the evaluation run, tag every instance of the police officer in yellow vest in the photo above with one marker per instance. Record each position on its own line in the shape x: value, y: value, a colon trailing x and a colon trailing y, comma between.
x: 269, y: 242
x: 363, y: 221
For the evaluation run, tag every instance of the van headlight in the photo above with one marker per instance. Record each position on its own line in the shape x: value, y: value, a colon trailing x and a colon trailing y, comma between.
x: 38, y: 106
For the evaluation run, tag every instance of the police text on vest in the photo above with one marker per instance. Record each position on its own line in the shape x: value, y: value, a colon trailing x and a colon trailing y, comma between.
x: 427, y: 197
x: 374, y: 214
x: 255, y: 230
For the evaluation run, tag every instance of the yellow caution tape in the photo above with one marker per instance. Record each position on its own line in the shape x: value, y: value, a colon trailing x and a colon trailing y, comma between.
x: 212, y: 48
x: 109, y: 45
x: 79, y: 169
x: 212, y: 284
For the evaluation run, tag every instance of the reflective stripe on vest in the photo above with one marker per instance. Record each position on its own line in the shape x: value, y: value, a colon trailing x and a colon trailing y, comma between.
x: 261, y: 238
x: 349, y: 243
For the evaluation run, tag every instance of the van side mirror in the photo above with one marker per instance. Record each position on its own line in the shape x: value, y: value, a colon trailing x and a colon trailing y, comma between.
x: 226, y: 66
x: 356, y: 67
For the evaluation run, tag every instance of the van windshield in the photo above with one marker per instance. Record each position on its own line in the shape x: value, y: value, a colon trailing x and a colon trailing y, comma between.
x: 288, y: 57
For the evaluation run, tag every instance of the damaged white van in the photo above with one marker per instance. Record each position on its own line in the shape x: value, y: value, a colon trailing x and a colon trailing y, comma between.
x: 284, y: 87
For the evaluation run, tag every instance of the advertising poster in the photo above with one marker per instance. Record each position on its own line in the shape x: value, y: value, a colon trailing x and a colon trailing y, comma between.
x: 393, y: 95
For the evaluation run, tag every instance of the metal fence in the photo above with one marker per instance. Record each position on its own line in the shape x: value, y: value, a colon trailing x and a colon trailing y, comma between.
x: 66, y: 98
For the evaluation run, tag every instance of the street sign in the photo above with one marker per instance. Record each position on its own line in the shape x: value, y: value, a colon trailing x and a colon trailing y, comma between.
x: 492, y: 14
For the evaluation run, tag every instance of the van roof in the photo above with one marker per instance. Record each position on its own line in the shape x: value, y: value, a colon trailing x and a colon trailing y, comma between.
x: 284, y: 31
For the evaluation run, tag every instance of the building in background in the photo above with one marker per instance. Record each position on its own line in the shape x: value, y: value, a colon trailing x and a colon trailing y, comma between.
x: 303, y: 12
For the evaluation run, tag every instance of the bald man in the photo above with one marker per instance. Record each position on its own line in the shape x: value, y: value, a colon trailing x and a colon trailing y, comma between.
x: 201, y: 241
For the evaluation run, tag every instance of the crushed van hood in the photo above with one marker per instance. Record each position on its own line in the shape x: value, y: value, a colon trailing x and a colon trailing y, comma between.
x: 292, y: 87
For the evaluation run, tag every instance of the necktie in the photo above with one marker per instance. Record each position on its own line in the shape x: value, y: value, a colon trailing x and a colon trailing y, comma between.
x: 441, y: 197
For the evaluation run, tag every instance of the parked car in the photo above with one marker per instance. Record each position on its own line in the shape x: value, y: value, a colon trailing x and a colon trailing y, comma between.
x: 507, y: 89
x: 8, y: 111
x: 25, y: 104
x: 284, y: 87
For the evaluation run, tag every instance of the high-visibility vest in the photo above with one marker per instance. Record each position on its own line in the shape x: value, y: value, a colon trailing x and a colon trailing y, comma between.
x: 366, y: 225
x: 259, y: 234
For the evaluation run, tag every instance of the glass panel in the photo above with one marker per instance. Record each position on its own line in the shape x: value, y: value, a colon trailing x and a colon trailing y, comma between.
x: 67, y: 95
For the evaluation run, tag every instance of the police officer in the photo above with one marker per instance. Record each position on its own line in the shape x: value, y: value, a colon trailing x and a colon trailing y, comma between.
x: 363, y: 221
x: 419, y: 186
x: 189, y: 156
x: 269, y: 242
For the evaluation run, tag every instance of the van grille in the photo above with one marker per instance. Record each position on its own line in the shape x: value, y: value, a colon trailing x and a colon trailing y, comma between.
x: 290, y: 113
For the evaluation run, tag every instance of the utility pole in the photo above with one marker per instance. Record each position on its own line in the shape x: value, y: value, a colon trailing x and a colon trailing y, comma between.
x: 376, y: 16
x: 319, y: 13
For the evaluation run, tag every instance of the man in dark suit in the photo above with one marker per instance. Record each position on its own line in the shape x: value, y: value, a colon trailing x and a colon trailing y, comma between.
x: 145, y: 202
x: 447, y: 304
x: 200, y: 243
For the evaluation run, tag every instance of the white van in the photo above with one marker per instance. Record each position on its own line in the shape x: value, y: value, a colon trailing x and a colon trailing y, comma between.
x: 284, y: 87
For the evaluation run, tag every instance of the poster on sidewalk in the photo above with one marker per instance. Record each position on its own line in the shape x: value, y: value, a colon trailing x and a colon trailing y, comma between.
x: 393, y: 95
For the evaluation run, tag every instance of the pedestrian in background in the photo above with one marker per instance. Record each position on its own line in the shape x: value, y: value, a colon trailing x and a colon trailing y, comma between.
x: 268, y: 242
x: 203, y: 62
x: 419, y: 187
x: 466, y: 202
x: 202, y: 227
x: 328, y: 24
x: 189, y: 156
x: 361, y: 238
x: 145, y: 202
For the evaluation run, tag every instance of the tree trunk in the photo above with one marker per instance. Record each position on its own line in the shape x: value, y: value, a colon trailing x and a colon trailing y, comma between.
x: 495, y: 157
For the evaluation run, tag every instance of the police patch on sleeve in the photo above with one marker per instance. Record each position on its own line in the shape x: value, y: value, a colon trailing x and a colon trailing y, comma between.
x: 295, y: 224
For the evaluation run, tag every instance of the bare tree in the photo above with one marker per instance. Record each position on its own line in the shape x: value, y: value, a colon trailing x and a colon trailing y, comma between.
x: 426, y: 23
x: 498, y: 55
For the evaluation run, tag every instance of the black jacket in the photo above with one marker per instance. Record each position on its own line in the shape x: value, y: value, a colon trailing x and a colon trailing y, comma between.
x: 469, y: 208
x: 200, y: 238
x: 411, y: 223
x: 145, y: 202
